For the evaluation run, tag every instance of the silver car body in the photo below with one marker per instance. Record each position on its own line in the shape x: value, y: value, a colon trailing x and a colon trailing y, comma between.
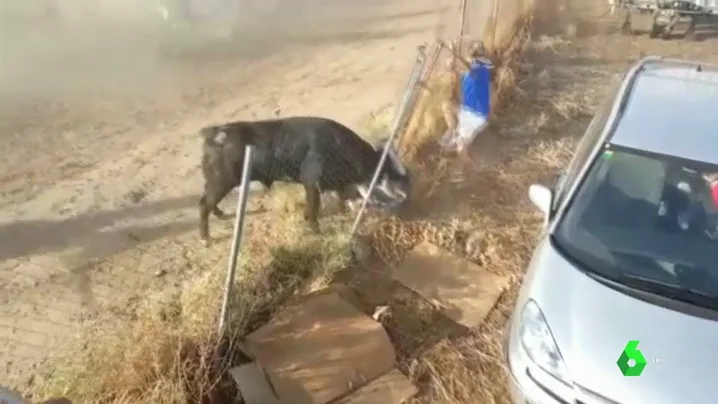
x: 661, y: 106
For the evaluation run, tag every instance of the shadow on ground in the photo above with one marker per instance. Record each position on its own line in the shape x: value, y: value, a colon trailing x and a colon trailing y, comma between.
x: 97, y: 233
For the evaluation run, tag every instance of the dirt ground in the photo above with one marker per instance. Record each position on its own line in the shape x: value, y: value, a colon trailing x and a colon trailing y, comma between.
x: 98, y: 196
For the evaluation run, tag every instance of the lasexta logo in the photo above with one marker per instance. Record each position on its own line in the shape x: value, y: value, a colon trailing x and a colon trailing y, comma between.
x: 631, y: 362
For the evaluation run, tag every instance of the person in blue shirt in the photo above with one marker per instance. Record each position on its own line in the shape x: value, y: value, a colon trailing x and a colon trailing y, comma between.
x: 467, y: 111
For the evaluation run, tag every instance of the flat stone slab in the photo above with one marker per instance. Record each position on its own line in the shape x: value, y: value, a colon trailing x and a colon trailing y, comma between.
x: 464, y: 291
x: 323, y: 346
x: 391, y: 388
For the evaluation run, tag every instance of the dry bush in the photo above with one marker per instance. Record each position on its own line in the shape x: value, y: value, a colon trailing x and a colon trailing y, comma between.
x: 504, y: 51
x: 167, y: 351
x: 427, y: 124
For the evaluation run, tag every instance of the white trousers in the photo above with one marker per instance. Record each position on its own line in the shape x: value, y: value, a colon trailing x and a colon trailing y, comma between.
x: 469, y: 125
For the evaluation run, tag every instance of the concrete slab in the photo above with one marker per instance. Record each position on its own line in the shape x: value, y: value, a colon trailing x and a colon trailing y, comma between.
x: 392, y: 388
x: 323, y: 346
x: 464, y: 291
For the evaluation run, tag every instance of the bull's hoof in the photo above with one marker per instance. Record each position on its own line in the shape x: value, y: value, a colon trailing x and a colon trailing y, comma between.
x: 204, y: 242
x: 225, y: 216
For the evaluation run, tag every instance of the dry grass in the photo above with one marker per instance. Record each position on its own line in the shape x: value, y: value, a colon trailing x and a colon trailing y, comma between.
x: 168, y: 353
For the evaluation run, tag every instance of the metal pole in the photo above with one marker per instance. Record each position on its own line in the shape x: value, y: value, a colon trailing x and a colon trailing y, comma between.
x: 427, y: 67
x: 462, y: 21
x: 397, y: 125
x: 415, y: 73
x: 495, y: 24
x: 237, y: 236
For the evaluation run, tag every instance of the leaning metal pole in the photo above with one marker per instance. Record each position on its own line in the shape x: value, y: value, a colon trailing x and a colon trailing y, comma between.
x: 397, y: 125
x: 237, y: 236
x: 416, y: 74
x: 425, y: 74
x: 462, y: 23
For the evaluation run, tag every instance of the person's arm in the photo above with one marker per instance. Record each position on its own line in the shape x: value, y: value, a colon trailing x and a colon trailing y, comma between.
x: 483, y: 60
x: 456, y: 55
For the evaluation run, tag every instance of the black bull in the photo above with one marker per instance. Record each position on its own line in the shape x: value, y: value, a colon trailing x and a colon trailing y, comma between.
x: 319, y: 153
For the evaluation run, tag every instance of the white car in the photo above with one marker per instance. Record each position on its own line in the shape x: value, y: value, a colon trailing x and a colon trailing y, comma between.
x: 620, y: 300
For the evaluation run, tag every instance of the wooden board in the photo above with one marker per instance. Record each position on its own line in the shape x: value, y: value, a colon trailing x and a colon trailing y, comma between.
x: 464, y: 291
x: 323, y: 346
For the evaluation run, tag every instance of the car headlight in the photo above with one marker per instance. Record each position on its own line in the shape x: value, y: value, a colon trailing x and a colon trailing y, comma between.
x: 538, y: 343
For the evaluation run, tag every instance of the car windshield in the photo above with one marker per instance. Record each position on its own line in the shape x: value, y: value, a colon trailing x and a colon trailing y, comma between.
x: 647, y: 217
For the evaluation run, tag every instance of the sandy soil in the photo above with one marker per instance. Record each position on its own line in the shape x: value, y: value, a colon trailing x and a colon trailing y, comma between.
x: 98, y: 195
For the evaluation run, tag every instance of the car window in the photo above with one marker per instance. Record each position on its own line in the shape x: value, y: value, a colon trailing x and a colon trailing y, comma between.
x: 585, y: 146
x: 646, y: 216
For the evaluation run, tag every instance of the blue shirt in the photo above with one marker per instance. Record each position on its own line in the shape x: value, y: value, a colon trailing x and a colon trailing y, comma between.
x: 476, y: 88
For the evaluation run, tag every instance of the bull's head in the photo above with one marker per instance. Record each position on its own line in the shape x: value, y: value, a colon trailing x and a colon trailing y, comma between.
x: 394, y: 184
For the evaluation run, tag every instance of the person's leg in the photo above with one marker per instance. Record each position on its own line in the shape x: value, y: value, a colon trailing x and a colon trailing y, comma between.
x: 462, y: 151
x: 450, y: 113
x: 470, y: 125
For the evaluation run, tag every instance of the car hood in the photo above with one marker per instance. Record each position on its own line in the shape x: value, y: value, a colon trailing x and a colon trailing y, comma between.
x: 592, y: 324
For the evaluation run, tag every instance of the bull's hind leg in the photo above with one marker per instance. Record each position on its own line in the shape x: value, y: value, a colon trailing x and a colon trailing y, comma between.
x: 314, y: 204
x: 213, y: 195
x: 310, y: 173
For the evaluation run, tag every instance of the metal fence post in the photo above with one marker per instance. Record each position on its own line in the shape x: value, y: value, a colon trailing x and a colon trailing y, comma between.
x: 237, y: 236
x: 398, y: 124
x: 494, y: 24
x: 416, y: 73
x: 462, y: 23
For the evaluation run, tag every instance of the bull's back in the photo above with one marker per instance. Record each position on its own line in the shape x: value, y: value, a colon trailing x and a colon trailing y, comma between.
x: 346, y: 156
x: 330, y: 137
x: 284, y: 145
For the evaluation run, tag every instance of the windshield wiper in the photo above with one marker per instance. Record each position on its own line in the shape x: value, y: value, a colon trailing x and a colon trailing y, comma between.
x: 674, y: 291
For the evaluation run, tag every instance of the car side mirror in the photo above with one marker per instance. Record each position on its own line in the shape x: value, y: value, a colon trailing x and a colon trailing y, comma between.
x: 542, y: 197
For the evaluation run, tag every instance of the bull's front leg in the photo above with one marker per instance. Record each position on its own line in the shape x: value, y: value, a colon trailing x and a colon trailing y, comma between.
x: 204, y: 210
x: 214, y: 192
x: 313, y: 205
